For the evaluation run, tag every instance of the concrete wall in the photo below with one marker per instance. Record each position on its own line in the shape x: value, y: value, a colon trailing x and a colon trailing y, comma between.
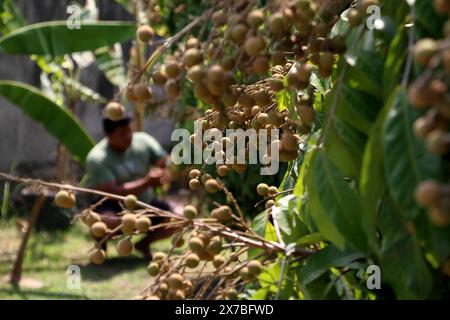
x: 25, y: 142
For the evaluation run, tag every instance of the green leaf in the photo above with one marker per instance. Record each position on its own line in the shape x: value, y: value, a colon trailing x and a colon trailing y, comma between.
x: 110, y: 61
x: 356, y: 107
x: 402, y: 262
x: 283, y: 100
x: 286, y: 215
x: 372, y: 184
x: 407, y: 161
x: 428, y: 21
x: 345, y: 147
x: 58, y: 121
x: 10, y: 17
x: 321, y: 261
x: 395, y: 61
x: 54, y: 38
x: 336, y: 207
x: 366, y: 73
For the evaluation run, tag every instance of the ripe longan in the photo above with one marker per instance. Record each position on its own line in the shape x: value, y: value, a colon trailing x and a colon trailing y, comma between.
x: 114, y: 111
x: 424, y: 50
x: 143, y: 223
x: 142, y: 92
x: 125, y: 247
x: 128, y: 223
x: 254, y: 45
x: 194, y: 173
x: 254, y: 267
x: 172, y: 88
x: 153, y: 269
x: 99, y: 229
x: 427, y: 193
x: 262, y: 189
x: 65, y: 199
x: 212, y: 186
x: 145, y: 33
x: 159, y: 256
x: 196, y: 244
x: 192, y: 57
x: 218, y: 261
x: 175, y: 281
x: 172, y: 69
x: 98, y: 256
x: 190, y: 212
x: 194, y: 184
x: 159, y: 77
x: 130, y: 201
x: 91, y: 218
x: 192, y: 260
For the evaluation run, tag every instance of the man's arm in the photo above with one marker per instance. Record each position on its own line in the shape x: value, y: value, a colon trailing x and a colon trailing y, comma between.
x: 152, y: 179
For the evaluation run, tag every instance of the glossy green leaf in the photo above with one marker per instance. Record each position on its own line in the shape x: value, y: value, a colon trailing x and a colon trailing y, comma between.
x: 366, y: 72
x: 110, y: 62
x: 58, y: 121
x: 54, y: 38
x: 345, y: 147
x: 372, y: 183
x: 402, y: 263
x: 336, y: 207
x: 407, y: 161
x: 321, y: 261
x: 356, y: 107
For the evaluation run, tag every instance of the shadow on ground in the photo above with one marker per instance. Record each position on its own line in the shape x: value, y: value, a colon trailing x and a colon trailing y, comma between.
x: 111, y: 268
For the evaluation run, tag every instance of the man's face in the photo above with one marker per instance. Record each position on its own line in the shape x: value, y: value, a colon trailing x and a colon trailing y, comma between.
x: 120, y: 138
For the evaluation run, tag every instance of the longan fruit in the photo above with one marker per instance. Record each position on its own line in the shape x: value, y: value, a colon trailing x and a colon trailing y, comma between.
x: 194, y: 184
x: 196, y: 74
x: 212, y: 186
x: 190, y: 212
x: 143, y: 223
x: 262, y: 189
x: 99, y: 229
x: 254, y: 45
x: 114, y: 111
x: 439, y: 217
x: 218, y: 261
x: 159, y: 256
x: 193, y: 43
x: 175, y: 281
x: 130, y: 201
x: 172, y: 69
x: 238, y: 33
x: 98, y: 256
x: 142, y: 92
x: 177, y: 241
x: 355, y: 17
x: 159, y: 77
x: 145, y: 33
x: 254, y: 267
x: 276, y: 23
x: 125, y: 247
x: 223, y: 213
x: 194, y: 173
x: 422, y: 127
x: 128, y: 222
x: 255, y: 18
x: 65, y: 199
x: 261, y: 65
x: 92, y: 217
x: 438, y: 142
x: 192, y: 57
x: 153, y: 269
x: 192, y: 260
x: 289, y: 142
x: 424, y: 50
x: 269, y: 204
x: 427, y: 193
x: 196, y: 244
x: 245, y: 274
x: 173, y: 88
x: 307, y: 114
x: 273, y: 190
x: 215, y: 73
x: 223, y: 170
x: 215, y: 245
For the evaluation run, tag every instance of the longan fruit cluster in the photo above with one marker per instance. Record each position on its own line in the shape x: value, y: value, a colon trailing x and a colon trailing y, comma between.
x: 429, y: 94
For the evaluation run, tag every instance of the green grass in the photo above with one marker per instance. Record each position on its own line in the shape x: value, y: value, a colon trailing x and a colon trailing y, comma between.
x: 49, y: 255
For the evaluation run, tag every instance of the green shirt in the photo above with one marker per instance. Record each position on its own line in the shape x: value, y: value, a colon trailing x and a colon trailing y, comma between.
x: 104, y: 165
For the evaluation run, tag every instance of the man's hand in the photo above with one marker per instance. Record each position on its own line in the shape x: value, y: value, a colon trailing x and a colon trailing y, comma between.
x: 158, y: 177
